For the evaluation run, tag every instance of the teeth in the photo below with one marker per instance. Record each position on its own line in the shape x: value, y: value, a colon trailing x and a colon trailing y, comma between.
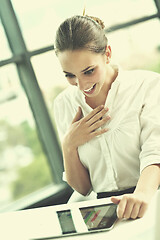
x: 89, y: 89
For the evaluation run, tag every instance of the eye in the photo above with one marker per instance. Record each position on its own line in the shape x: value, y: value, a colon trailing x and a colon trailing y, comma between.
x: 89, y: 72
x: 69, y: 75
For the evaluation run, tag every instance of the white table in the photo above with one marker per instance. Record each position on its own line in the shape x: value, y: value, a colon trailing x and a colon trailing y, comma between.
x: 39, y: 222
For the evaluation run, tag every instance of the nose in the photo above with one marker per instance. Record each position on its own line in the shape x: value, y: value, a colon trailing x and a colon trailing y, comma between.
x: 81, y: 84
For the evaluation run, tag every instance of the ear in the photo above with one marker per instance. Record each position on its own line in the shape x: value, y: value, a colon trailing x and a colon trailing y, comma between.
x: 108, y: 53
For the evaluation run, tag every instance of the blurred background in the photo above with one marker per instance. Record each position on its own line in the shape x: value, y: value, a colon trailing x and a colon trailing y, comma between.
x: 30, y: 78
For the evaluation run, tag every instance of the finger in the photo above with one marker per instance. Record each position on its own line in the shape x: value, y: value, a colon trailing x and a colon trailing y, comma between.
x: 135, y: 211
x: 142, y: 210
x: 121, y: 207
x: 78, y: 115
x: 94, y: 112
x: 99, y: 123
x: 98, y: 132
x: 115, y: 200
x: 128, y: 209
x: 98, y: 116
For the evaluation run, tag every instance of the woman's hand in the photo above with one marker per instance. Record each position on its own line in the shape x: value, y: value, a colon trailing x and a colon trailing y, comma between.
x: 135, y: 205
x: 131, y: 205
x: 81, y: 131
x: 85, y: 128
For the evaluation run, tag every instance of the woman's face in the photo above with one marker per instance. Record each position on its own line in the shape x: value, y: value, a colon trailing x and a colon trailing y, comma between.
x: 85, y: 69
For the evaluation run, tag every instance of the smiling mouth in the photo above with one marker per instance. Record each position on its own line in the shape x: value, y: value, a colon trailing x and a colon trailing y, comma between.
x: 89, y: 90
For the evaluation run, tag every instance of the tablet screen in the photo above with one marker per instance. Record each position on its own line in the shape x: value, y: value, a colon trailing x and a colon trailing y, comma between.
x: 100, y: 216
x: 66, y: 222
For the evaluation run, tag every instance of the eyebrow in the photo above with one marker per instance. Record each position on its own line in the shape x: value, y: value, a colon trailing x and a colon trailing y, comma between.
x: 87, y: 68
x: 84, y: 70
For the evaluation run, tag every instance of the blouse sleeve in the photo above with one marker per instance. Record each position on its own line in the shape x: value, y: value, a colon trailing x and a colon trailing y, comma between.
x: 63, y: 116
x: 150, y: 125
x: 58, y: 107
x: 64, y: 113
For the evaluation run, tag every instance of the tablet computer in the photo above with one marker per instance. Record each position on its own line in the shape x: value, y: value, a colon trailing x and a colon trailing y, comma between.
x: 86, y: 219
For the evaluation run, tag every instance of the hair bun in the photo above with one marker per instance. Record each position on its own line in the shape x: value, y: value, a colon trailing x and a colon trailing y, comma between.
x: 98, y: 20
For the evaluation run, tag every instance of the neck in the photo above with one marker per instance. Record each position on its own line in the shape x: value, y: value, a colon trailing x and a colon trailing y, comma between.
x: 112, y: 73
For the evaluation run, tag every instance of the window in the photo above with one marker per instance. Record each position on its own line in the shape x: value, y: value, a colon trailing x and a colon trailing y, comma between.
x: 136, y: 46
x: 4, y: 48
x: 50, y: 77
x: 23, y: 165
x: 24, y: 153
x: 40, y: 19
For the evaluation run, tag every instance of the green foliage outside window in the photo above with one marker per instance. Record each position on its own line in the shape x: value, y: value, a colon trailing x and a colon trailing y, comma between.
x: 31, y: 178
x: 35, y: 174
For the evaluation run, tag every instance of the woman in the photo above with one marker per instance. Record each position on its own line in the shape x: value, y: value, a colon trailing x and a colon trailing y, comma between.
x: 108, y: 120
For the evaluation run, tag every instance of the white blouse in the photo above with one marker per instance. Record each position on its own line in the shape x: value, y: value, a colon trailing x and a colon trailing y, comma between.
x: 116, y: 158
